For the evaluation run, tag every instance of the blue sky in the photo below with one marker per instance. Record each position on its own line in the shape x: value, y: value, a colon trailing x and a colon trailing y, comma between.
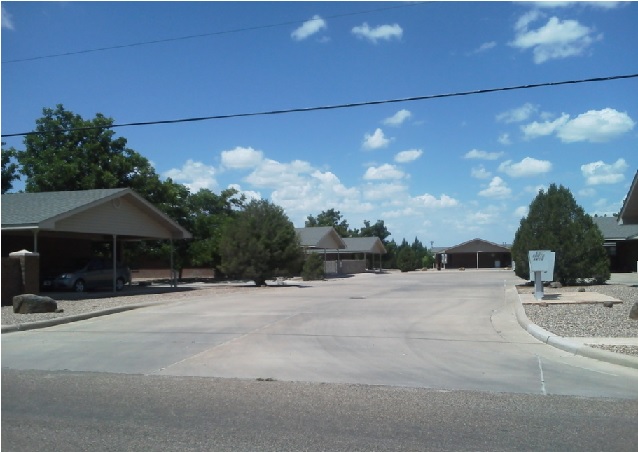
x: 445, y: 170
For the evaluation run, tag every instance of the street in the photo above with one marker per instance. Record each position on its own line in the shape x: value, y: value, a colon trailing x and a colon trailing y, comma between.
x: 417, y: 361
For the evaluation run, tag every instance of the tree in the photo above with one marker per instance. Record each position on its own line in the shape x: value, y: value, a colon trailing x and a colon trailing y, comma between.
x: 406, y: 259
x: 313, y: 268
x: 376, y: 230
x: 9, y: 169
x: 70, y: 153
x: 557, y: 223
x: 260, y: 243
x: 330, y: 218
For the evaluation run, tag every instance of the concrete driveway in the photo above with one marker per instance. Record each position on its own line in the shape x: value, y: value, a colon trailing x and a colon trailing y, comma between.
x: 444, y: 330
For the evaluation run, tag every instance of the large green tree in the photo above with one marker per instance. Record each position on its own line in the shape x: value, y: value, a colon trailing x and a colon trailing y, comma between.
x: 67, y: 152
x: 260, y: 243
x: 332, y: 218
x: 557, y: 223
x: 9, y: 169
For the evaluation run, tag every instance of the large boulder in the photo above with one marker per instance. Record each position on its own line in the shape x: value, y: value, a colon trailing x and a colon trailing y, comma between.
x: 33, y: 304
x: 633, y: 313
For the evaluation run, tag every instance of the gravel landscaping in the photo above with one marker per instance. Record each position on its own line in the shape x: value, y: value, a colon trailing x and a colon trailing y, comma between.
x: 589, y: 320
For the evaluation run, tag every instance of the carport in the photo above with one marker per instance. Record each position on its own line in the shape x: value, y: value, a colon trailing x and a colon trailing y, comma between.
x: 476, y: 253
x: 63, y: 224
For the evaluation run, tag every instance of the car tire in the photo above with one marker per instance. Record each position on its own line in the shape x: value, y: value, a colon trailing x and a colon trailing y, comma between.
x: 79, y: 286
x: 119, y: 284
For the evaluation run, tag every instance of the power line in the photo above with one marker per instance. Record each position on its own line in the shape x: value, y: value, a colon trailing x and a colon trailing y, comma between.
x: 204, y: 35
x: 334, y: 107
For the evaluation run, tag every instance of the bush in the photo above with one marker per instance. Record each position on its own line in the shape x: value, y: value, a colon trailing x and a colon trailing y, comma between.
x: 406, y: 260
x: 313, y: 268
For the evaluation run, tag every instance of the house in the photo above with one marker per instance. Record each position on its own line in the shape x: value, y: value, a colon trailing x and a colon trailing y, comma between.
x: 629, y: 211
x: 63, y: 226
x: 475, y: 253
x: 621, y: 243
x: 341, y: 255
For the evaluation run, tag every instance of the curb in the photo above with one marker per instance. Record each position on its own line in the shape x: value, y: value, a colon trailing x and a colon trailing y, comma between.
x: 71, y: 318
x: 567, y: 345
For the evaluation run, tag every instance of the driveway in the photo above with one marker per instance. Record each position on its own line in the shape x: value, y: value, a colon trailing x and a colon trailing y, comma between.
x: 442, y: 330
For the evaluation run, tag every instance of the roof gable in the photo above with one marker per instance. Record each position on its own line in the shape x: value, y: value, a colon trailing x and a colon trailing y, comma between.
x: 477, y: 246
x: 613, y: 230
x: 629, y: 211
x: 118, y: 211
x: 324, y: 237
x: 364, y: 245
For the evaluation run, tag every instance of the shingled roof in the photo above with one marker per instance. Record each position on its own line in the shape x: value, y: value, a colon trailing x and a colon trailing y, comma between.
x: 613, y: 230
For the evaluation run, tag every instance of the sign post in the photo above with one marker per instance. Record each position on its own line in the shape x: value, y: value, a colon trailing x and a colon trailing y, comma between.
x: 541, y: 265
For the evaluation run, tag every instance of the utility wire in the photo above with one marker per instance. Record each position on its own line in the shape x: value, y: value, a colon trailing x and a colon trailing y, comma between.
x: 204, y: 35
x: 334, y: 107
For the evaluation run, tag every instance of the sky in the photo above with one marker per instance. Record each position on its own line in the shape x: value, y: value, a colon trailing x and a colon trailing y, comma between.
x: 445, y: 170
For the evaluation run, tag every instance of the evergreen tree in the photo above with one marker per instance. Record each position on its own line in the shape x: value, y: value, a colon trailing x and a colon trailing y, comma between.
x: 330, y: 218
x: 260, y: 243
x: 557, y: 223
x: 406, y: 260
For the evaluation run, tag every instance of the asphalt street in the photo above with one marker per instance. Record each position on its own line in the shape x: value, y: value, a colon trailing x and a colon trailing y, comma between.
x: 439, y: 330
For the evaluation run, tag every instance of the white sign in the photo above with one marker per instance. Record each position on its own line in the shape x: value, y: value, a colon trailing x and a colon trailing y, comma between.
x: 542, y: 261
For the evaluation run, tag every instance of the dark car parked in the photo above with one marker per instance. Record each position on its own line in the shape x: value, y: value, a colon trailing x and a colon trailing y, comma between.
x: 96, y: 273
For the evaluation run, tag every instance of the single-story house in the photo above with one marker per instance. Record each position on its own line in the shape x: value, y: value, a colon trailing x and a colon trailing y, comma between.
x: 629, y: 211
x: 475, y: 253
x: 354, y: 257
x: 61, y: 226
x: 621, y: 243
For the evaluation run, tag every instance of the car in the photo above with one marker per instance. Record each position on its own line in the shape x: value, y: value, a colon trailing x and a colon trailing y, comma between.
x: 96, y: 273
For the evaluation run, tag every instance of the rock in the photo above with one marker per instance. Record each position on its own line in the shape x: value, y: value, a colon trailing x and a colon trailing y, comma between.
x: 555, y: 285
x: 33, y: 304
x: 633, y: 313
x: 608, y: 304
x: 581, y: 289
x: 543, y: 304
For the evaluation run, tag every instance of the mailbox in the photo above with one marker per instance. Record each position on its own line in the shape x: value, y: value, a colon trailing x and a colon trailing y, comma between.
x: 542, y: 261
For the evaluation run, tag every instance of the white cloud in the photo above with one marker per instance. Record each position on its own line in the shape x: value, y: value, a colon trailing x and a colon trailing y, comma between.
x: 504, y: 139
x: 271, y: 173
x: 249, y: 194
x: 391, y: 190
x: 195, y: 175
x: 385, y: 32
x: 385, y: 171
x: 594, y: 4
x: 597, y: 173
x: 521, y: 211
x: 519, y: 114
x: 7, y: 19
x: 496, y: 189
x: 541, y: 129
x: 587, y: 192
x: 534, y: 189
x: 596, y: 126
x: 309, y: 28
x: 428, y: 200
x: 554, y: 40
x: 241, y: 157
x: 527, y: 167
x: 398, y: 118
x: 408, y: 156
x: 483, y: 155
x: 485, y: 47
x: 375, y: 141
x: 481, y: 173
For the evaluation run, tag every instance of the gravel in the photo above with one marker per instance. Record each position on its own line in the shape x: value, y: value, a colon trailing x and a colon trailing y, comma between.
x: 589, y: 320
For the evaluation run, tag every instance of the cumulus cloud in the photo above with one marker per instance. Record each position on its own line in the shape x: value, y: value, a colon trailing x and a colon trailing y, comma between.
x: 309, y: 28
x: 271, y: 173
x: 597, y: 173
x: 481, y: 173
x: 483, y: 155
x: 496, y: 189
x: 527, y: 167
x: 485, y: 47
x: 555, y: 40
x: 382, y: 32
x: 195, y: 175
x: 386, y: 190
x: 408, y: 156
x: 249, y: 194
x: 519, y: 114
x: 504, y: 139
x: 7, y: 19
x: 596, y: 126
x: 521, y: 211
x: 540, y: 129
x: 241, y: 157
x: 375, y: 141
x: 398, y: 118
x: 428, y: 200
x: 385, y: 171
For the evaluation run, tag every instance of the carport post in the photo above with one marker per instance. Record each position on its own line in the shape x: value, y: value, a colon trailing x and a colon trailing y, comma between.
x: 114, y: 253
x: 173, y: 276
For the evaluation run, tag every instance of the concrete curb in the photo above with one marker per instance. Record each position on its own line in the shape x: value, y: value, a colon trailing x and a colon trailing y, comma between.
x: 71, y: 318
x: 567, y: 345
